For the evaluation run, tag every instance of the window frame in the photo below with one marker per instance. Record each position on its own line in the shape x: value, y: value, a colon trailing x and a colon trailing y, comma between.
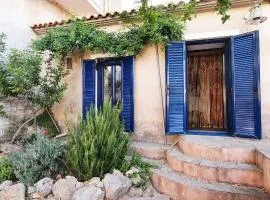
x: 100, y: 78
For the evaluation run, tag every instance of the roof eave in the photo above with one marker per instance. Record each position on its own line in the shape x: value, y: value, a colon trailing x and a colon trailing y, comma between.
x: 112, y: 19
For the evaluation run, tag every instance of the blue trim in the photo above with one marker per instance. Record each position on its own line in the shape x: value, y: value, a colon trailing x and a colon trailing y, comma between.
x: 166, y: 89
x: 83, y: 85
x: 88, y: 78
x: 176, y: 59
x: 208, y: 133
x: 257, y: 92
x: 258, y: 85
x: 185, y: 77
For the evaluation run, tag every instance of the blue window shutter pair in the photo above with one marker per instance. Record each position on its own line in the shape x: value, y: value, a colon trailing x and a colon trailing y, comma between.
x: 89, y: 80
x: 245, y: 111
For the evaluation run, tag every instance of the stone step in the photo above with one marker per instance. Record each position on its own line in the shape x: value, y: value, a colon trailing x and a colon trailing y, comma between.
x: 227, y: 149
x: 180, y: 187
x: 215, y: 171
x: 150, y: 150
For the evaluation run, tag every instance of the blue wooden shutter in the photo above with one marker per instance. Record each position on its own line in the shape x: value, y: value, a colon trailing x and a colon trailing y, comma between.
x: 245, y: 85
x: 127, y: 92
x: 176, y: 66
x: 88, y: 85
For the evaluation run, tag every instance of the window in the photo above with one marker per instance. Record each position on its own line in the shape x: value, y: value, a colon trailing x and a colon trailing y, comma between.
x: 111, y: 83
x: 213, y: 87
x: 110, y: 79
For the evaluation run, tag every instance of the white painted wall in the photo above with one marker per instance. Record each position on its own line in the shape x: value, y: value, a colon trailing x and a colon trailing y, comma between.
x: 17, y: 17
x: 130, y: 4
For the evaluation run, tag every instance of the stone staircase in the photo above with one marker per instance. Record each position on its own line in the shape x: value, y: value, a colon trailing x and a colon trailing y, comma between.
x: 209, y: 168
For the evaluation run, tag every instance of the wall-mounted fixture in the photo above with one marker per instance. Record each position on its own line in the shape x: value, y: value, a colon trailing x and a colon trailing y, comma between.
x: 255, y: 16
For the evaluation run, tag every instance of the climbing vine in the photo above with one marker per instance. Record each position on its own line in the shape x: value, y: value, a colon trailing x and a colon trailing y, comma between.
x: 152, y: 25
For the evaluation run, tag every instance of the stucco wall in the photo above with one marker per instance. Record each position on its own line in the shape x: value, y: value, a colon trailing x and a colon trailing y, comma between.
x: 17, y: 16
x: 147, y: 96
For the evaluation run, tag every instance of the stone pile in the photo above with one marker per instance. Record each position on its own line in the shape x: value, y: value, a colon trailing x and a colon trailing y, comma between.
x: 115, y: 186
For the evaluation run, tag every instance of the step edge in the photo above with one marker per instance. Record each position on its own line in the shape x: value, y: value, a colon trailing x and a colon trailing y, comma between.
x: 212, y: 163
x: 258, y: 192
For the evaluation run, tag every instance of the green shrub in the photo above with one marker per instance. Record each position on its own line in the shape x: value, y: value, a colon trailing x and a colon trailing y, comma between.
x: 97, y: 144
x: 45, y: 121
x: 144, y: 173
x: 6, y: 170
x: 41, y: 157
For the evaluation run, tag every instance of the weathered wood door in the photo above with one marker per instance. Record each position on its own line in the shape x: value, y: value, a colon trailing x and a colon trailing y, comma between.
x: 206, y: 90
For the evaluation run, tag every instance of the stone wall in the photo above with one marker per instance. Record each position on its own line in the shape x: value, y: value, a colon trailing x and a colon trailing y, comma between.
x: 17, y: 111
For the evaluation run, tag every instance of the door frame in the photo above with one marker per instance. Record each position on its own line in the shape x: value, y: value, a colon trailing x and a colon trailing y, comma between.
x: 227, y: 67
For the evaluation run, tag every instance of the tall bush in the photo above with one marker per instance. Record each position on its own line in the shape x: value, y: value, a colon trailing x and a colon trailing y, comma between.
x: 41, y: 157
x: 97, y: 144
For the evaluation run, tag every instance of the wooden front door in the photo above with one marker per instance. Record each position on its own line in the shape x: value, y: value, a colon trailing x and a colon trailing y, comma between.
x: 206, y: 90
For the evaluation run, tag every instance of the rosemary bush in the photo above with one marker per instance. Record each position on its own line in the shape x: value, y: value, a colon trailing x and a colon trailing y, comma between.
x: 41, y: 157
x: 97, y: 145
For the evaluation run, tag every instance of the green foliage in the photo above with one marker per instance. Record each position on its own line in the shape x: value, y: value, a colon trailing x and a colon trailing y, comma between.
x: 144, y: 173
x: 2, y: 43
x: 97, y: 145
x: 41, y: 157
x: 6, y: 170
x: 21, y: 75
x: 152, y: 25
x: 155, y: 26
x: 223, y: 6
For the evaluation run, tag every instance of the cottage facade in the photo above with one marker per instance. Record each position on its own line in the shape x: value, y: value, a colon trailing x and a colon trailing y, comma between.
x: 215, y: 82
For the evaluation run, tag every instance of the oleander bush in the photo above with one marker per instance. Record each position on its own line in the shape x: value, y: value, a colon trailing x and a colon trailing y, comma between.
x: 40, y: 157
x: 97, y: 145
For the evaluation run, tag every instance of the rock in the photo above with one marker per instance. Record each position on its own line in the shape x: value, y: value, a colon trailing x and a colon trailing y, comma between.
x: 136, y: 179
x: 31, y: 189
x: 135, y: 192
x: 51, y: 197
x: 117, y: 172
x: 71, y: 177
x: 116, y: 185
x: 160, y: 197
x: 79, y: 185
x: 59, y: 176
x: 5, y: 184
x: 36, y: 196
x: 44, y: 186
x: 95, y: 182
x: 64, y: 188
x: 13, y: 192
x: 148, y: 192
x: 88, y: 193
x: 132, y: 171
x: 7, y: 148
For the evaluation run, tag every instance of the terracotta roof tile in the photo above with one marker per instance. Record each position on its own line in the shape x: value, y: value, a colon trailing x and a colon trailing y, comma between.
x: 203, y: 3
x: 85, y: 18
